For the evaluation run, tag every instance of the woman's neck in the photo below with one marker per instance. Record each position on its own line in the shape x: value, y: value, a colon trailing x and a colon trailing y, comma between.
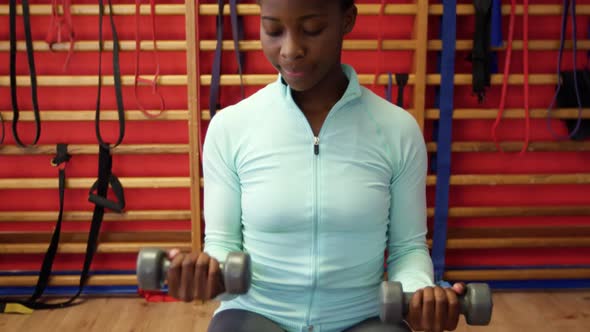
x: 324, y: 95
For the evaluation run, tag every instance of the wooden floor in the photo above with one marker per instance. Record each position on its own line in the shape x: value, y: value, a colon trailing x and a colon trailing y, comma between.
x: 513, y: 311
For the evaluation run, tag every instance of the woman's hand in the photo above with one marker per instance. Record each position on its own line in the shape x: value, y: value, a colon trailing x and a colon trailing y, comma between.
x: 435, y: 309
x: 194, y: 276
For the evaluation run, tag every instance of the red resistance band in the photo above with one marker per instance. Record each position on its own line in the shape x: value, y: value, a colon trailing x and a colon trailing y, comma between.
x: 154, y: 81
x: 525, y: 57
x: 61, y: 24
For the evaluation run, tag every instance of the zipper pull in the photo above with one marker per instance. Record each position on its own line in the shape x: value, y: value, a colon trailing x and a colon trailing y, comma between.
x: 316, y: 145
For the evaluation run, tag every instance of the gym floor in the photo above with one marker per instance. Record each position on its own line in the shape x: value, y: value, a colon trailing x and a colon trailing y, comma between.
x: 539, y: 311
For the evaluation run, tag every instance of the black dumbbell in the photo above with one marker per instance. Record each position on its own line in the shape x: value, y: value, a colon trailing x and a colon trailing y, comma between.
x: 153, y: 265
x: 475, y: 304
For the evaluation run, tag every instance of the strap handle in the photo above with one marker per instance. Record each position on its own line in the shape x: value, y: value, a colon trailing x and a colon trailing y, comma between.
x: 117, y: 205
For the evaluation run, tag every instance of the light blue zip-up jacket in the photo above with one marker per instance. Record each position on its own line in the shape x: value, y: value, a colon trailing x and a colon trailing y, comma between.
x: 317, y: 214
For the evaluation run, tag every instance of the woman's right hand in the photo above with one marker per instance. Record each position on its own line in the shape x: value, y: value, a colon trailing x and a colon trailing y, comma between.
x: 194, y: 276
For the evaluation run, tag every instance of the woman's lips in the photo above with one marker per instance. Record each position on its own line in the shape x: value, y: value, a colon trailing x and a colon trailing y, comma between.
x: 294, y: 73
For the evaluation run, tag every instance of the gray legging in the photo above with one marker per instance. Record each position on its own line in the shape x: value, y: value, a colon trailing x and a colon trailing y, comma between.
x: 236, y: 320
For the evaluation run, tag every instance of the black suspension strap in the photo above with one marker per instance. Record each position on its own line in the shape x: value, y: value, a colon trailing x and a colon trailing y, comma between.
x: 2, y: 128
x: 401, y: 79
x: 237, y: 31
x: 569, y: 80
x: 32, y: 71
x: 26, y: 306
x: 480, y: 55
x: 116, y: 76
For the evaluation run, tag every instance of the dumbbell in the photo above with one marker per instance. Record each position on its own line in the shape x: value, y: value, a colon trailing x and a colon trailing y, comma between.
x: 475, y: 304
x: 153, y: 265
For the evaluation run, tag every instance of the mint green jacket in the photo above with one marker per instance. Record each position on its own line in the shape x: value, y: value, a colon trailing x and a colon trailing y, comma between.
x: 322, y: 217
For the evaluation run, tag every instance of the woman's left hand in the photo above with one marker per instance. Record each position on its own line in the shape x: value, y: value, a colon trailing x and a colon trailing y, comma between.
x: 435, y: 309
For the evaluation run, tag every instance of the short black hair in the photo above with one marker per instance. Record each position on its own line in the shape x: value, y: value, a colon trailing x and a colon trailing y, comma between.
x: 346, y: 4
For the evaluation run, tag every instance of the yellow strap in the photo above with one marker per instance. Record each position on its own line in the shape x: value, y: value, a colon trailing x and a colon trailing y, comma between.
x: 17, y: 308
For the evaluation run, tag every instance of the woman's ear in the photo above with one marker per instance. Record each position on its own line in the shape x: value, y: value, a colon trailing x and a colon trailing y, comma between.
x: 350, y: 18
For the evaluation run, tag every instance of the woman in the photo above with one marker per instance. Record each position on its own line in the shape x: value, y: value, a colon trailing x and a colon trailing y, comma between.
x: 315, y: 177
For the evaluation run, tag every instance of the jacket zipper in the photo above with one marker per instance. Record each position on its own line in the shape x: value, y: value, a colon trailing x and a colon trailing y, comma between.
x: 314, y: 240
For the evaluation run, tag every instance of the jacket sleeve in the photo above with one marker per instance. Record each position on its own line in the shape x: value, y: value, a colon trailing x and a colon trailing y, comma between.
x: 222, y: 192
x: 408, y: 259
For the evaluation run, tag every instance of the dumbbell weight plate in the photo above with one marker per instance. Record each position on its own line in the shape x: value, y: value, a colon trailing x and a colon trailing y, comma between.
x: 478, y: 304
x: 237, y: 273
x: 392, y: 309
x: 152, y: 268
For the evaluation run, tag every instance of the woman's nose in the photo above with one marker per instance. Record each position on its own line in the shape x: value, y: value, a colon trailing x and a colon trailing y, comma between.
x: 291, y: 47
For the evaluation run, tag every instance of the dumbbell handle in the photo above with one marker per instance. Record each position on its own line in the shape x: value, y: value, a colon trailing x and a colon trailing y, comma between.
x: 166, y: 266
x: 475, y: 304
x: 153, y: 266
x: 463, y: 303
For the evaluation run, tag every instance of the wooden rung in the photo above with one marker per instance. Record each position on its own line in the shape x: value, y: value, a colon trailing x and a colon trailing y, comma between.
x: 534, y: 10
x: 518, y: 274
x: 454, y: 212
x: 509, y: 179
x: 514, y: 179
x: 402, y: 44
x: 518, y: 243
x: 454, y: 233
x: 80, y: 248
x: 176, y: 115
x: 89, y: 80
x: 485, y: 113
x: 496, y: 79
x: 565, y: 146
x: 86, y: 183
x: 534, y: 45
x: 70, y: 280
x: 179, y: 80
x: 85, y: 46
x: 92, y: 149
x: 363, y: 9
x: 514, y: 211
x: 252, y: 9
x: 349, y: 45
x: 86, y: 216
x: 518, y: 231
x: 92, y: 10
x: 105, y: 237
x: 509, y: 113
x: 105, y: 115
x: 133, y: 247
x: 263, y: 79
x: 459, y: 275
x: 184, y: 182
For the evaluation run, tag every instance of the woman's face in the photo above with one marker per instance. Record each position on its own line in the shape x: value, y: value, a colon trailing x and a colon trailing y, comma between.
x: 302, y: 39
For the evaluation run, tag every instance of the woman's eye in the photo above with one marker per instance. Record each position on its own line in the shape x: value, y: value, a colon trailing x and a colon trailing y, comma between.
x: 273, y: 33
x: 313, y: 32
